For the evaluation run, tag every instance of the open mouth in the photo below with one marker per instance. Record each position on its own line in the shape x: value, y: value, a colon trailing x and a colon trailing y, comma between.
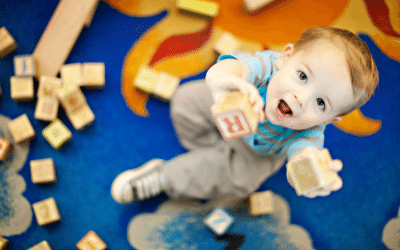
x: 284, y: 109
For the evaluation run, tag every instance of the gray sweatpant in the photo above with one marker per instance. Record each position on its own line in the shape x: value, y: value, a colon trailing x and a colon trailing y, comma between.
x: 212, y: 167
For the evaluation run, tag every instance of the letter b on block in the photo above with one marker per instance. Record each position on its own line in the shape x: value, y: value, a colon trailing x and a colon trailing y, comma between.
x: 233, y: 125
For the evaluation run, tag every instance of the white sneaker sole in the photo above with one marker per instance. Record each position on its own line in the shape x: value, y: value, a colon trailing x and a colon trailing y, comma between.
x: 124, y: 178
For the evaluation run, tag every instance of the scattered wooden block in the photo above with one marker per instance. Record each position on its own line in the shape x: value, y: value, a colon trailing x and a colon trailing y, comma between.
x: 44, y: 245
x: 81, y: 118
x: 57, y: 134
x: 146, y: 79
x: 46, y: 211
x: 312, y: 173
x: 22, y: 89
x: 219, y: 221
x: 227, y: 44
x: 7, y: 43
x: 24, y: 65
x: 3, y: 243
x: 43, y: 171
x: 72, y: 74
x: 21, y: 129
x: 91, y: 241
x: 261, y: 203
x: 198, y: 8
x: 60, y: 35
x: 5, y: 149
x: 93, y: 75
x: 234, y: 115
x: 91, y: 15
x: 46, y: 108
x: 48, y: 86
x: 71, y: 97
x: 254, y: 5
x: 166, y: 86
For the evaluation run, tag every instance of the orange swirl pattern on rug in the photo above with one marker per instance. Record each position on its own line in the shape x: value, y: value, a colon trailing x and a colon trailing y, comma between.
x: 272, y: 26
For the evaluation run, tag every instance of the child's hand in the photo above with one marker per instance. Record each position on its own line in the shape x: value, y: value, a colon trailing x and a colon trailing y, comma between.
x: 232, y: 82
x: 335, y: 165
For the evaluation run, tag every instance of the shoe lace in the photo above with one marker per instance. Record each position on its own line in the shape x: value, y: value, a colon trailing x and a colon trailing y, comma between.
x: 148, y: 186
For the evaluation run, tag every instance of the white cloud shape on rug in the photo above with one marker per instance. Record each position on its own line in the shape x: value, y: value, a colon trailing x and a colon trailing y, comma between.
x: 179, y: 225
x: 15, y: 209
x: 391, y: 233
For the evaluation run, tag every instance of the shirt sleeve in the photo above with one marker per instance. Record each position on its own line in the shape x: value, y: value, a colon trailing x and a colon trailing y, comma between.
x: 307, y: 138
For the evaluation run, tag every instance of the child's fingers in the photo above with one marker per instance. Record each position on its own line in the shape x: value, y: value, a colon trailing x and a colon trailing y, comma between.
x: 336, y: 165
x: 338, y: 184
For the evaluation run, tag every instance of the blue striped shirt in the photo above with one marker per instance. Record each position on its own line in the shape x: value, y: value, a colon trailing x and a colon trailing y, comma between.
x: 271, y: 139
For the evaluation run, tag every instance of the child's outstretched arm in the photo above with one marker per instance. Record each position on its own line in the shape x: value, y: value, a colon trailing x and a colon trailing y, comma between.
x: 231, y: 74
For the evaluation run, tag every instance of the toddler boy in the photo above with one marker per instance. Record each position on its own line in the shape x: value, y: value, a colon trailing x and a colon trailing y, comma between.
x: 325, y: 75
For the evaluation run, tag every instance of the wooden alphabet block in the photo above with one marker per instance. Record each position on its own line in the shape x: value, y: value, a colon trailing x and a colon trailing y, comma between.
x: 93, y: 75
x: 24, y: 65
x: 46, y: 211
x: 43, y: 171
x: 48, y: 86
x: 21, y: 129
x: 72, y: 74
x: 81, y: 118
x: 254, y: 5
x: 166, y: 86
x: 312, y: 173
x: 46, y: 108
x: 219, y: 221
x: 91, y: 241
x: 261, y: 203
x: 44, y: 245
x: 57, y: 134
x: 7, y: 43
x: 146, y: 79
x: 22, y: 89
x: 227, y: 44
x: 3, y: 243
x: 5, y: 149
x: 71, y: 97
x: 198, y: 8
x: 234, y: 115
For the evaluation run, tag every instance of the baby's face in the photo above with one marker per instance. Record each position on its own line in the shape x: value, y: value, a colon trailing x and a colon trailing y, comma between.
x: 312, y: 87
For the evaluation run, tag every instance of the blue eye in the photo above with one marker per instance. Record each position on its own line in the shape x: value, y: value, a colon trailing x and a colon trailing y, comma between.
x: 321, y: 103
x: 303, y: 77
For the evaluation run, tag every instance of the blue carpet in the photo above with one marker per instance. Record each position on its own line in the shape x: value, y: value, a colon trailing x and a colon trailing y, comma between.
x: 352, y: 218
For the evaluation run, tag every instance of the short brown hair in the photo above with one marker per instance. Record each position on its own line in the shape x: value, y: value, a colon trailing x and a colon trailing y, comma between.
x: 363, y: 71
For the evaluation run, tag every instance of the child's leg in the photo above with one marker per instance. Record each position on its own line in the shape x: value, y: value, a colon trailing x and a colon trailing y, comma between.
x: 191, y: 115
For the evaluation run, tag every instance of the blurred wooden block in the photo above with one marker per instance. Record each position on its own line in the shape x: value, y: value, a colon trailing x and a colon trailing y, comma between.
x: 254, y: 5
x: 72, y: 74
x: 219, y: 221
x: 3, y: 243
x: 91, y: 15
x: 81, y: 118
x: 91, y: 241
x: 146, y: 79
x: 48, y: 86
x: 44, y: 245
x: 46, y: 108
x: 43, y: 171
x: 198, y: 8
x: 22, y: 89
x: 234, y: 115
x: 60, y: 35
x: 7, y: 43
x: 166, y: 86
x: 227, y: 44
x: 57, y: 134
x: 312, y: 173
x: 93, y: 75
x: 261, y: 203
x: 21, y: 129
x: 46, y: 211
x: 71, y: 97
x: 24, y: 65
x: 5, y: 149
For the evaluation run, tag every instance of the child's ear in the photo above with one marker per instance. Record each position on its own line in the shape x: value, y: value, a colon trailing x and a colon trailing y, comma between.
x: 287, y: 52
x: 336, y: 119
